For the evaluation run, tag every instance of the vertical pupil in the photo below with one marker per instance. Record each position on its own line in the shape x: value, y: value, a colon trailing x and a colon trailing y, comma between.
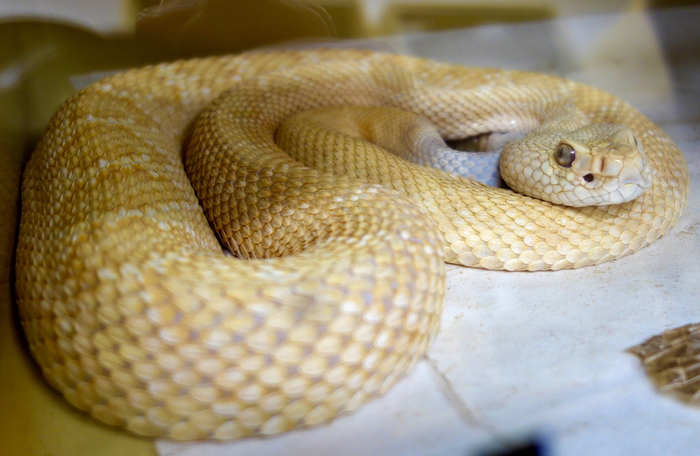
x: 565, y: 155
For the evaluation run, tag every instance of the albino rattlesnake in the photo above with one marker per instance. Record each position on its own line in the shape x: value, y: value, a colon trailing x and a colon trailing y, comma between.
x: 134, y: 313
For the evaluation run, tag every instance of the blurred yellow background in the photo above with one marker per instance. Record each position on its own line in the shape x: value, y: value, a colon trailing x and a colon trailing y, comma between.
x: 352, y: 18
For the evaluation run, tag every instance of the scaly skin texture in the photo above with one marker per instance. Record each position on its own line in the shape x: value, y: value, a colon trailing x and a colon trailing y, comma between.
x: 670, y: 361
x: 135, y: 314
x: 403, y: 133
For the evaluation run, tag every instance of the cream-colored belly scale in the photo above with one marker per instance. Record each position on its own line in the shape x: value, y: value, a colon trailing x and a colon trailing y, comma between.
x: 137, y: 317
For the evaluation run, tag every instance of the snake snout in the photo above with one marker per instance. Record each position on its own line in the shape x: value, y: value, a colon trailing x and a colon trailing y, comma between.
x: 636, y: 168
x: 630, y: 191
x: 633, y: 180
x: 633, y: 175
x: 622, y: 163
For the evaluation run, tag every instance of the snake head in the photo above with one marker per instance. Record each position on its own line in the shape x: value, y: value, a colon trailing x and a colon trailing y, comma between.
x: 595, y: 165
x: 611, y: 168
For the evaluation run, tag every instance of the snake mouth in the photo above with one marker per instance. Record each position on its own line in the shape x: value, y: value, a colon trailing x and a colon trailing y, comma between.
x: 629, y: 191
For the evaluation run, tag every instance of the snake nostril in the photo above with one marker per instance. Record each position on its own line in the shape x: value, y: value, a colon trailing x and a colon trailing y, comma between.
x: 588, y: 177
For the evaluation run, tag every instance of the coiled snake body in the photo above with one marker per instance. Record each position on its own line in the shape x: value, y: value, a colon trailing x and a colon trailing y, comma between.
x: 137, y: 317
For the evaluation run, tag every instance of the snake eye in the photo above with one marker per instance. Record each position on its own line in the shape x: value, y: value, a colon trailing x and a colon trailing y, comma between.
x: 565, y: 155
